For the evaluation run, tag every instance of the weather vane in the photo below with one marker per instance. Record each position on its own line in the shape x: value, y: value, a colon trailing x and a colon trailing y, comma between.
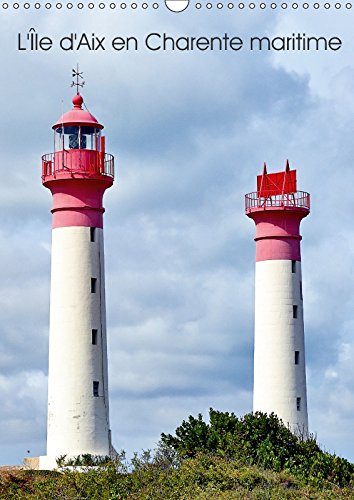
x: 76, y: 73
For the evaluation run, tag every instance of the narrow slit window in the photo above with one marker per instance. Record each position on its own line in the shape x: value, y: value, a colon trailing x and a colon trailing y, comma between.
x: 301, y: 290
x: 93, y: 285
x: 295, y: 310
x: 94, y: 336
x: 293, y: 266
x: 95, y: 388
x: 92, y: 234
x: 298, y: 404
x: 297, y: 357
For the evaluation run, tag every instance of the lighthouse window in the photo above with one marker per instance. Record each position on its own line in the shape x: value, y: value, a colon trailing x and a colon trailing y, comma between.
x: 93, y: 285
x: 92, y: 233
x: 74, y: 141
x: 67, y: 138
x: 90, y: 138
x: 298, y: 403
x: 58, y: 139
x: 95, y: 388
x: 295, y: 308
x: 297, y: 357
x: 94, y: 336
x: 75, y: 137
x: 301, y: 290
x: 293, y: 266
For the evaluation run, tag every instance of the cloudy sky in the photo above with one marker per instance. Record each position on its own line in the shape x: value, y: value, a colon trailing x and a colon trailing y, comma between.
x: 190, y: 132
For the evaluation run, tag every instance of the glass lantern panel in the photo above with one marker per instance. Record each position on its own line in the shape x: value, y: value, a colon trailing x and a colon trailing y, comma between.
x: 75, y: 137
x: 58, y: 139
x: 90, y: 138
x: 68, y: 140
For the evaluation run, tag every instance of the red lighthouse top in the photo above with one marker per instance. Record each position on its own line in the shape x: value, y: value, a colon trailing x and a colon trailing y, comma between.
x: 79, y: 170
x: 277, y: 208
x: 79, y: 148
x: 77, y: 115
x: 277, y: 191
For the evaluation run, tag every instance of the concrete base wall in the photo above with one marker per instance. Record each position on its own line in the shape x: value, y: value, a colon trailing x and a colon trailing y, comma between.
x: 31, y: 463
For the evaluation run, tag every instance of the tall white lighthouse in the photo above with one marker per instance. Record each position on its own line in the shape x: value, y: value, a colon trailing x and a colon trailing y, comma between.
x: 77, y: 173
x: 277, y: 209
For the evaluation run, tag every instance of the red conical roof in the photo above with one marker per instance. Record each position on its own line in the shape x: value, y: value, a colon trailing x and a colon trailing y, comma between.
x: 77, y: 115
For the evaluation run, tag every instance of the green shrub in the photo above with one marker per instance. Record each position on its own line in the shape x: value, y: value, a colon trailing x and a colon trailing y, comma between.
x: 262, y: 440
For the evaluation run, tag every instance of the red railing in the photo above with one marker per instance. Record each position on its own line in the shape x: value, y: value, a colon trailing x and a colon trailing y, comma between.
x: 299, y: 199
x: 77, y: 161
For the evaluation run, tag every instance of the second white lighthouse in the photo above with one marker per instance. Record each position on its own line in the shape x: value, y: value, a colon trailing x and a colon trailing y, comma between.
x: 77, y: 173
x: 277, y: 209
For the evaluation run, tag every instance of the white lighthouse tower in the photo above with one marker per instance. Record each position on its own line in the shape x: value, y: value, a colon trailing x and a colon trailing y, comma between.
x: 77, y: 173
x: 277, y: 209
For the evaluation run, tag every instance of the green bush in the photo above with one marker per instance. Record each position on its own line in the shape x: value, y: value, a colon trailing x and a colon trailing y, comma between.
x: 261, y: 440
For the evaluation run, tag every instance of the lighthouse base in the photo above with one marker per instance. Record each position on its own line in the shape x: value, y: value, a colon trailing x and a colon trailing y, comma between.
x: 46, y: 462
x: 40, y: 463
x: 43, y: 462
x: 50, y: 462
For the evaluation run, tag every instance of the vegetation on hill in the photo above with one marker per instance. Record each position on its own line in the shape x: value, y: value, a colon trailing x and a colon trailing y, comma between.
x: 259, y: 439
x: 254, y: 457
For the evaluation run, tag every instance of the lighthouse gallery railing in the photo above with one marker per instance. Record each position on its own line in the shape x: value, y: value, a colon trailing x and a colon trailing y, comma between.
x: 299, y: 199
x: 87, y: 162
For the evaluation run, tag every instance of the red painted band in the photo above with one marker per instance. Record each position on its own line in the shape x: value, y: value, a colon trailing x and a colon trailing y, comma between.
x: 75, y: 216
x: 278, y: 233
x: 278, y: 249
x: 78, y: 202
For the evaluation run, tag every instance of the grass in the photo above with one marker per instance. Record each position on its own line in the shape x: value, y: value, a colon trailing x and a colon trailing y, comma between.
x: 200, y: 478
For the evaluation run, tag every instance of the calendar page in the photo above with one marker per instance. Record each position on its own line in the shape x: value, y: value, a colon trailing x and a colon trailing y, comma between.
x: 190, y: 101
